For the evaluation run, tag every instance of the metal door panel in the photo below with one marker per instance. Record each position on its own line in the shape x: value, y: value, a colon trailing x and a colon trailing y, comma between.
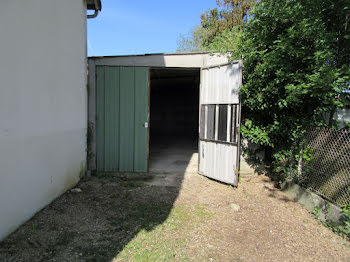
x: 219, y: 120
x: 122, y: 118
x: 141, y: 119
x: 127, y: 118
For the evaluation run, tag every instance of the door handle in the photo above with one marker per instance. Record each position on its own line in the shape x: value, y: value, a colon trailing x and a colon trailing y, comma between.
x: 145, y: 125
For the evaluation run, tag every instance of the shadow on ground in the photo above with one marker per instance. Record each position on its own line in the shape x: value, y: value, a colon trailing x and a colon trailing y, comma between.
x: 97, y: 223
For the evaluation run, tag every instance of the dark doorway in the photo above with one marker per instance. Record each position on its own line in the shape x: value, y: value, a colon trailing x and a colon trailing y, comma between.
x: 174, y: 113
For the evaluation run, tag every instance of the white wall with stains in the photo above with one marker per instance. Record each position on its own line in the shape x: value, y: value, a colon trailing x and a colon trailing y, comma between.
x: 43, y: 104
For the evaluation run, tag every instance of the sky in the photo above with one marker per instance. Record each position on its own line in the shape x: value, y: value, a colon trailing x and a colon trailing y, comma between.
x: 128, y: 27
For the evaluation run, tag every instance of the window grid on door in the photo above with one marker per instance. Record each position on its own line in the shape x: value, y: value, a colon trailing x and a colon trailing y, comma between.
x: 219, y: 123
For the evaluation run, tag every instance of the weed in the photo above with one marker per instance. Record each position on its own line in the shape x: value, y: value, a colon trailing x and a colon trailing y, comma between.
x: 35, y: 226
x: 344, y: 229
x: 316, y: 212
x: 101, y: 175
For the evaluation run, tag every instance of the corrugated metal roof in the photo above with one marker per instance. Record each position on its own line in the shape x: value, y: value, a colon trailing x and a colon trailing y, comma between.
x: 94, y: 5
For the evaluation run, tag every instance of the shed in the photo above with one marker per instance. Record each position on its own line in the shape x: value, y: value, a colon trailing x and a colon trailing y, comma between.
x: 147, y: 108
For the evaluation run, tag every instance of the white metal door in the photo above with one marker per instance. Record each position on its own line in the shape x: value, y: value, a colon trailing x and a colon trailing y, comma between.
x: 219, y: 122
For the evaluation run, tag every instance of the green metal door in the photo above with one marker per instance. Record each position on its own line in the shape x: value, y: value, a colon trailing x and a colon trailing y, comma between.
x: 122, y: 118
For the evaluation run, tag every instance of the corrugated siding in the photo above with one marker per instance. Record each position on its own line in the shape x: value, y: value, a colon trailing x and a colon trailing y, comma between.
x: 122, y: 110
x: 220, y: 85
x: 141, y: 118
x: 218, y: 161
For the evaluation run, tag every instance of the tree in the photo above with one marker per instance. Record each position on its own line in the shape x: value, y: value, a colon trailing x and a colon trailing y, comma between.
x: 191, y: 42
x: 296, y: 66
x: 217, y: 24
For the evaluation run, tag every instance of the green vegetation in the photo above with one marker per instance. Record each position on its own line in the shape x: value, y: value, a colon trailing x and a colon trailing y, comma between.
x: 316, y: 212
x: 342, y: 229
x: 220, y: 28
x: 152, y: 240
x: 296, y: 57
x: 296, y: 67
x: 155, y: 244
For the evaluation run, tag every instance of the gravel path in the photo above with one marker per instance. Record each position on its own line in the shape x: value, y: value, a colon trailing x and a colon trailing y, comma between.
x: 174, y: 217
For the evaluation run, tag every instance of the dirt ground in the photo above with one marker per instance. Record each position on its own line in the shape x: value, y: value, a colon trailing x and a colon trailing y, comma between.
x: 173, y: 217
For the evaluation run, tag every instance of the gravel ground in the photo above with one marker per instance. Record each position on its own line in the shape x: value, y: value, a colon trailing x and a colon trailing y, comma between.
x: 179, y: 217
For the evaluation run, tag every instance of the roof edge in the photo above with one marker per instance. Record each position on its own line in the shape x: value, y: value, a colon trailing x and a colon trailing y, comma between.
x: 153, y: 54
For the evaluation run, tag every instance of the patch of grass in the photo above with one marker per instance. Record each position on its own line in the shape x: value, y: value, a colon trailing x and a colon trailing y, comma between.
x: 102, y: 175
x: 153, y: 247
x: 35, y: 227
x: 163, y: 241
x: 130, y: 184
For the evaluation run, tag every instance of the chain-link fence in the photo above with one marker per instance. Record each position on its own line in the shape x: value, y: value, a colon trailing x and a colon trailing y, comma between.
x: 326, y: 169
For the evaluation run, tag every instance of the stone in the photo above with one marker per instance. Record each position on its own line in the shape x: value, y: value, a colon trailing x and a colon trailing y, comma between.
x: 235, y: 207
x: 76, y: 190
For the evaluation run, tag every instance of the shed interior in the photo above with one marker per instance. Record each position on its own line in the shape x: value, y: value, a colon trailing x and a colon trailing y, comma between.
x: 174, y: 113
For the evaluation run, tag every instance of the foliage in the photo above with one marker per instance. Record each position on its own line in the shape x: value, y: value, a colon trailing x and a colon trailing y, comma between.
x: 227, y: 42
x: 229, y: 14
x: 342, y: 229
x: 316, y: 212
x: 296, y: 66
x: 296, y: 58
x: 219, y: 29
x: 191, y: 42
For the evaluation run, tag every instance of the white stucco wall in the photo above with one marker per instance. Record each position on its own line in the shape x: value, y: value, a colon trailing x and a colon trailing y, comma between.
x: 43, y: 104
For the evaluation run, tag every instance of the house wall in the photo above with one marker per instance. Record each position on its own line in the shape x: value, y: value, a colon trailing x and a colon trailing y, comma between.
x: 43, y: 104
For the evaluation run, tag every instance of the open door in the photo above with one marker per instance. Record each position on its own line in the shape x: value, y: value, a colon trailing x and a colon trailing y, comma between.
x: 219, y: 120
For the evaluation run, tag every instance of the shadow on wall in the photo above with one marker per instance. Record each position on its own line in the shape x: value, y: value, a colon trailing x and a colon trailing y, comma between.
x: 98, y: 223
x: 110, y: 217
x: 327, y: 172
x: 253, y: 155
